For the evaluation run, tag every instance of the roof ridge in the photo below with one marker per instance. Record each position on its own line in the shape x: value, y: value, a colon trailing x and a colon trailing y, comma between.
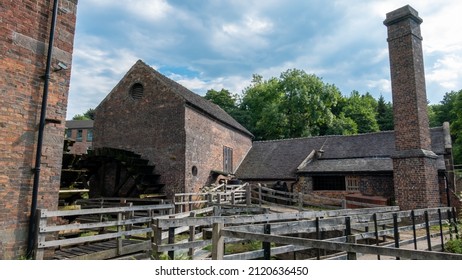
x: 337, y: 135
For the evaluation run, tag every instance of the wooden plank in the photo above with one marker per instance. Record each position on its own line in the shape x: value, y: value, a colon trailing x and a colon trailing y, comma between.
x: 113, y: 210
x: 94, y: 225
x: 182, y: 246
x: 112, y: 252
x: 337, y: 246
x: 176, y: 222
x: 98, y: 237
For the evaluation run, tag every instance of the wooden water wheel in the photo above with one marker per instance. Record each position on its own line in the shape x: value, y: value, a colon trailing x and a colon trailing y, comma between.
x: 119, y: 173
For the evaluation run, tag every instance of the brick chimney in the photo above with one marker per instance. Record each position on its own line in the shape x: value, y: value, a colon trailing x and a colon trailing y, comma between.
x: 414, y: 164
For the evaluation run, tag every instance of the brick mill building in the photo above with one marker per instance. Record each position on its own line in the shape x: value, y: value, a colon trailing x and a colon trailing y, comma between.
x: 186, y: 137
x: 29, y: 75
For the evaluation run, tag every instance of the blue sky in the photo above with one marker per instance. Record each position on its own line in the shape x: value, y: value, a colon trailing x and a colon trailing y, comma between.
x: 215, y: 44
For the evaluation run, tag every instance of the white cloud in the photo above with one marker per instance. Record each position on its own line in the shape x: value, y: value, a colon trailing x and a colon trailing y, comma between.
x: 95, y: 71
x: 447, y: 72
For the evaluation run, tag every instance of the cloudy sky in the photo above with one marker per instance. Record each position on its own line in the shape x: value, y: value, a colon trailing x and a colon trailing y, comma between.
x: 215, y: 44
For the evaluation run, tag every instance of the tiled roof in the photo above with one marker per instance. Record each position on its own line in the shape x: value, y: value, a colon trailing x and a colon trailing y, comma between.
x: 199, y: 102
x: 368, y: 152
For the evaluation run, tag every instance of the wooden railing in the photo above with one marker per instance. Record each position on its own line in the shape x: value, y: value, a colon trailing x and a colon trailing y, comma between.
x: 222, y: 194
x: 356, y: 227
x: 129, y: 228
x: 200, y: 228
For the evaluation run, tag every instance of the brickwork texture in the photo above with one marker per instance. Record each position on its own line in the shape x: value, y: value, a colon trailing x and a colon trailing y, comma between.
x: 24, y: 34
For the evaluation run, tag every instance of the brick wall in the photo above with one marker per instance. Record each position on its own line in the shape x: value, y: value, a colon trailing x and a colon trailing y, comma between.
x: 24, y: 33
x: 152, y: 126
x: 205, y: 139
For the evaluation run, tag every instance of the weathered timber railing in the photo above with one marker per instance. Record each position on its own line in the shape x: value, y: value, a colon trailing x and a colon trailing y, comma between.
x: 263, y: 195
x: 355, y: 227
x: 165, y: 228
x: 222, y: 194
x: 125, y: 230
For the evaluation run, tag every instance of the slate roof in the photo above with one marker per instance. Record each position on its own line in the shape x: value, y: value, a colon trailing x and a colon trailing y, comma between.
x: 73, y: 124
x: 370, y: 152
x: 198, y: 102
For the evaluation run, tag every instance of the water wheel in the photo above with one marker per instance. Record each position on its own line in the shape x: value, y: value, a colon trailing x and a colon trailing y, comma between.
x: 119, y: 173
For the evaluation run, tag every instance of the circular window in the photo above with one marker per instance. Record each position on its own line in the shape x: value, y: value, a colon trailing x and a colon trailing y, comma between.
x: 194, y: 171
x: 136, y: 91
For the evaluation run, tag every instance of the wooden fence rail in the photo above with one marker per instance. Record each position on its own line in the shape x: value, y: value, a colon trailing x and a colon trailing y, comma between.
x: 287, y: 221
x: 124, y: 230
x: 351, y: 225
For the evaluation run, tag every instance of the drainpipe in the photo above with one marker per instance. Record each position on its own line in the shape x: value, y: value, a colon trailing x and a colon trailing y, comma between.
x: 38, y: 156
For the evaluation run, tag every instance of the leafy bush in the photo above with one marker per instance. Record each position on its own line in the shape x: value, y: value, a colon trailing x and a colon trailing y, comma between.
x: 454, y: 246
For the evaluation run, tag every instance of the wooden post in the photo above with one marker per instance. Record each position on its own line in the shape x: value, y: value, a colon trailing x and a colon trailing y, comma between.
x: 414, y: 232
x: 300, y: 201
x: 396, y: 231
x: 218, y: 242
x: 216, y: 211
x: 259, y: 195
x: 344, y: 204
x: 233, y: 197
x: 248, y: 195
x: 171, y: 240
x: 318, y: 237
x: 351, y: 255
x: 218, y: 198
x: 190, y: 203
x: 42, y: 223
x: 376, y: 228
x: 157, y: 236
x: 266, y: 245
x: 427, y: 229
x: 441, y: 229
x: 210, y: 198
x: 119, y: 229
x: 192, y: 234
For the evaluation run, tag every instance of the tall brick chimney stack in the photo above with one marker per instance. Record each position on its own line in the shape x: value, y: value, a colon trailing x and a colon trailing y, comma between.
x: 414, y: 164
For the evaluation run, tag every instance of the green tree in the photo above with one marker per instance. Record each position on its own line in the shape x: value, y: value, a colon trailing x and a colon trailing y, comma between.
x: 307, y: 103
x: 223, y: 98
x: 444, y: 111
x: 260, y: 109
x: 341, y: 125
x: 362, y: 109
x: 456, y: 126
x: 384, y: 114
x: 294, y: 105
x: 88, y: 115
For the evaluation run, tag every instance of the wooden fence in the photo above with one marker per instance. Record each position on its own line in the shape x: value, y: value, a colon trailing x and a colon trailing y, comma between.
x: 258, y: 195
x: 200, y: 228
x: 97, y: 233
x: 222, y: 194
x: 355, y: 227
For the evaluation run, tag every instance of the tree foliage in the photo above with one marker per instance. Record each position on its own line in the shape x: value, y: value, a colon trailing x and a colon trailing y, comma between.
x: 294, y: 105
x: 88, y: 115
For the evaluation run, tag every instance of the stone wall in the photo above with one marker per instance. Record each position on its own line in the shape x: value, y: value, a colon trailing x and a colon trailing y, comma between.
x: 24, y: 34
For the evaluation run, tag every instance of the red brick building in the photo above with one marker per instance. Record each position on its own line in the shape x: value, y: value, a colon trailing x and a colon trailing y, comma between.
x: 185, y: 136
x: 80, y: 132
x: 25, y: 33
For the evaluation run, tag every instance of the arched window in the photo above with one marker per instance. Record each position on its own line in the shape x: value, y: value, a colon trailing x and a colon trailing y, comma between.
x: 136, y: 91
